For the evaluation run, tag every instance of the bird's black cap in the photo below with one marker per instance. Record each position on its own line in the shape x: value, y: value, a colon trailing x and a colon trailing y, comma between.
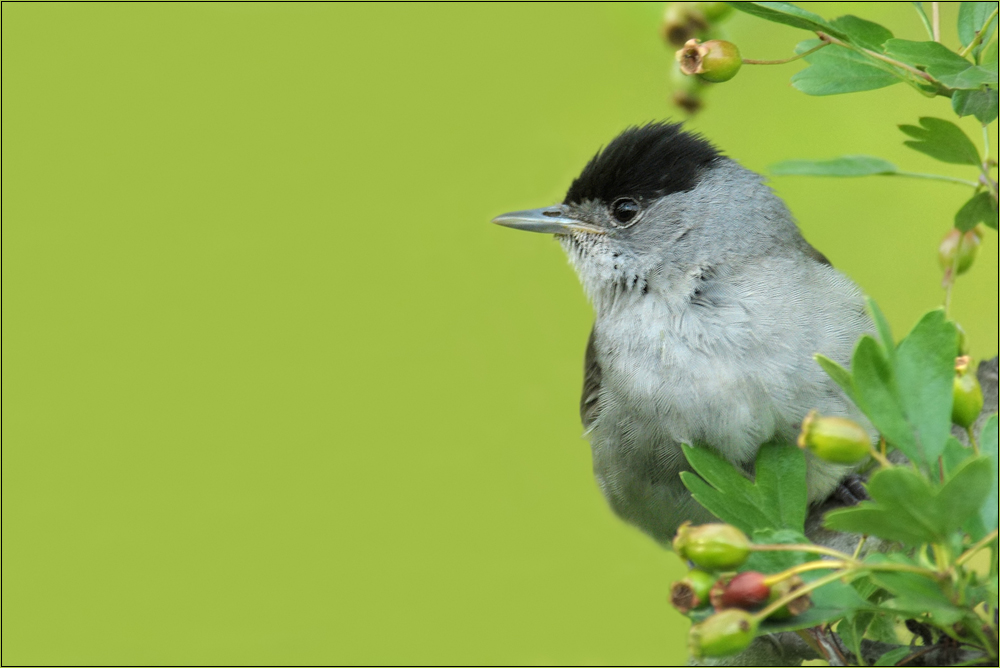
x: 645, y: 163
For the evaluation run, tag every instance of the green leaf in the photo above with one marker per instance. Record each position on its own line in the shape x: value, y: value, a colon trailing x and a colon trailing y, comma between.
x: 834, y: 70
x: 868, y: 623
x: 877, y: 394
x: 988, y: 58
x: 972, y: 18
x: 893, y: 656
x: 988, y: 449
x: 982, y: 103
x: 775, y: 561
x: 775, y: 500
x: 779, y: 468
x: 925, y: 373
x: 862, y: 32
x: 940, y: 62
x: 970, y: 79
x: 839, y: 374
x: 916, y: 594
x: 906, y: 508
x: 788, y: 14
x: 942, y: 140
x: 737, y: 510
x: 936, y: 57
x: 965, y: 493
x: 897, y: 512
x: 882, y: 325
x: 830, y: 602
x: 845, y: 165
x: 954, y: 454
x: 979, y: 209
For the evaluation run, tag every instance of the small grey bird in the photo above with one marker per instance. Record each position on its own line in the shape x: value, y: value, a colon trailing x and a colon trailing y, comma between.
x: 709, y: 307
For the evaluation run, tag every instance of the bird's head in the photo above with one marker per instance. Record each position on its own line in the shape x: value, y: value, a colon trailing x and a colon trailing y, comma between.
x: 655, y: 207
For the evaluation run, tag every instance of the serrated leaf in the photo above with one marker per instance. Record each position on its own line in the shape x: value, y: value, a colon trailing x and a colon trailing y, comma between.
x: 907, y: 508
x: 845, y: 165
x: 788, y: 14
x: 882, y: 326
x: 917, y: 594
x: 862, y: 32
x: 775, y: 500
x: 982, y: 103
x: 942, y: 140
x: 972, y: 18
x: 877, y: 394
x: 893, y: 656
x: 838, y: 374
x: 835, y: 70
x: 730, y: 507
x: 897, y: 512
x: 979, y: 209
x: 778, y: 468
x: 940, y: 62
x: 925, y: 373
x: 988, y: 449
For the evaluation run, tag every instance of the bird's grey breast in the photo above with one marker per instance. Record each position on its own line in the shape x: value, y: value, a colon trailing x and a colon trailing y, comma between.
x: 728, y: 367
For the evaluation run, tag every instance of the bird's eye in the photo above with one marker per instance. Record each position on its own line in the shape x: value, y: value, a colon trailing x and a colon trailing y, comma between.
x: 624, y: 210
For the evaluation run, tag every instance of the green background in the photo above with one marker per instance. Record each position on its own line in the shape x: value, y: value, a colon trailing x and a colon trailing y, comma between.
x: 274, y: 389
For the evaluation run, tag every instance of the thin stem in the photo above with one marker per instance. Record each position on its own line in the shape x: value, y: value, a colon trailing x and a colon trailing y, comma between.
x: 979, y: 34
x: 791, y: 596
x: 880, y: 458
x: 802, y: 547
x: 972, y: 439
x: 861, y: 544
x: 822, y: 564
x: 935, y: 177
x: 751, y: 61
x: 936, y: 20
x: 990, y: 184
x: 983, y: 542
x: 919, y: 6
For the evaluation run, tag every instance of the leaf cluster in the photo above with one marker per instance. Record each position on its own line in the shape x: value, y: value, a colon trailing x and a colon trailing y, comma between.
x: 939, y: 507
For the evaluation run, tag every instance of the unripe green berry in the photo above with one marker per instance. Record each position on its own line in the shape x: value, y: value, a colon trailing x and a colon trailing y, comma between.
x: 834, y: 439
x: 693, y: 591
x: 967, y: 395
x: 714, y: 547
x: 715, y: 60
x: 958, y: 251
x: 723, y: 634
x: 714, y: 11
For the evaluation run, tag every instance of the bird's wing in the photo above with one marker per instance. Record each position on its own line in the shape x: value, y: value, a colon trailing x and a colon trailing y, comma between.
x: 589, y: 408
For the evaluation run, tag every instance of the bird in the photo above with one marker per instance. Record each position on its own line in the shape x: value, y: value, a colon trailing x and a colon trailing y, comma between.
x: 709, y: 307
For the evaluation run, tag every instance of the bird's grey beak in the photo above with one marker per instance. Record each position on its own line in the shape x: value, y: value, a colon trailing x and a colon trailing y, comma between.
x: 550, y: 220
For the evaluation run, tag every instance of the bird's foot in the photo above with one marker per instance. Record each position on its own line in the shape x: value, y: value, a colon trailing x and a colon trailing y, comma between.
x: 851, y: 490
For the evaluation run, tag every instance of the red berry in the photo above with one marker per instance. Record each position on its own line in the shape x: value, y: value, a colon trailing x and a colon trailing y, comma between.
x: 745, y: 590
